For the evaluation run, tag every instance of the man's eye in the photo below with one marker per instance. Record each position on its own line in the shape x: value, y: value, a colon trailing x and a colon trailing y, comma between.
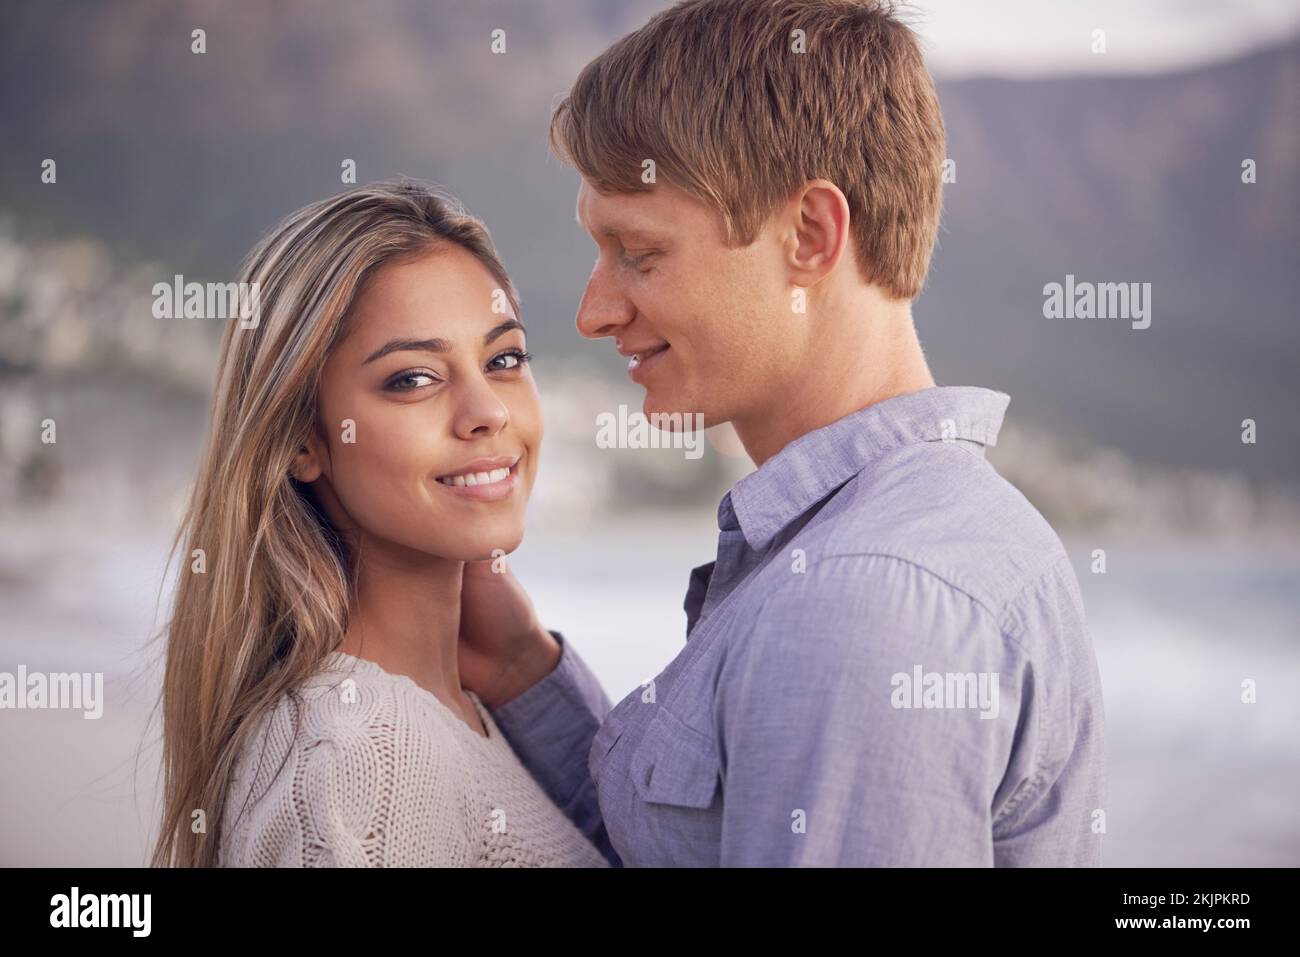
x: 638, y: 260
x: 410, y: 380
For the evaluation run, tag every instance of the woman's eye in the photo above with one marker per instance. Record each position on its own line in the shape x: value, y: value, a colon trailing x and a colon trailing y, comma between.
x: 508, y: 360
x: 407, y: 381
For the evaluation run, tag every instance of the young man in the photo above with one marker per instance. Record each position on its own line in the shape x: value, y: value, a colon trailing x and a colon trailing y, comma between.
x: 887, y: 664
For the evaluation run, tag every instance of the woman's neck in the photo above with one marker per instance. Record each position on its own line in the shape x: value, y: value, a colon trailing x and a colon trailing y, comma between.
x: 405, y: 617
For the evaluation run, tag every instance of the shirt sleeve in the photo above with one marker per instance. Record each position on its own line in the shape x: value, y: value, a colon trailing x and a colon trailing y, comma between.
x: 831, y: 757
x: 551, y: 727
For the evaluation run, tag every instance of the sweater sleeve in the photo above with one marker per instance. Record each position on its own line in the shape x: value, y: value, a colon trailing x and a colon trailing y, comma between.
x: 383, y: 792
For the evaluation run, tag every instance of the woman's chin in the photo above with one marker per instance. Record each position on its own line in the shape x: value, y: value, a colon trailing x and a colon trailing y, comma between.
x: 479, y: 547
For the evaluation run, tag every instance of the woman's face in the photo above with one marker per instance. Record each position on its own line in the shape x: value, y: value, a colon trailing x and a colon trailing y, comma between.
x: 429, y: 413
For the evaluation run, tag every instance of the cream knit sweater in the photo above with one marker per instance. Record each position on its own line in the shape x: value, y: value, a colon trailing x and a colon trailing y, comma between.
x: 380, y: 773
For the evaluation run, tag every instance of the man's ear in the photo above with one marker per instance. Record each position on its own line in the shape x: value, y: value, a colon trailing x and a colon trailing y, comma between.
x: 820, y: 214
x: 309, y: 464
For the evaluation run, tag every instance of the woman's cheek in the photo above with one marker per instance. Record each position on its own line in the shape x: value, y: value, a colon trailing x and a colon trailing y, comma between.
x: 381, y: 489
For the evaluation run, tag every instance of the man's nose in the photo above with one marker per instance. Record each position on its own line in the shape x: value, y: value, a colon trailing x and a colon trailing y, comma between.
x: 604, y: 309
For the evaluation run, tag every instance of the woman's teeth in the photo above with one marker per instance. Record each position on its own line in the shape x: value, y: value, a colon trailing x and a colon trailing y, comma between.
x: 476, y: 478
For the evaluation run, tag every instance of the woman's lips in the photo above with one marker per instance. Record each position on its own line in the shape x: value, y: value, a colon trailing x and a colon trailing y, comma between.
x: 641, y: 364
x: 492, y: 485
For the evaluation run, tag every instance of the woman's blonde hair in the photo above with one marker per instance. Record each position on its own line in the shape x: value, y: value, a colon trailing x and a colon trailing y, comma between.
x: 270, y: 599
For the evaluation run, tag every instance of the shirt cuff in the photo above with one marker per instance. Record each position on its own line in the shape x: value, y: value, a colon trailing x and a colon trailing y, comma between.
x: 570, y: 682
x: 551, y: 727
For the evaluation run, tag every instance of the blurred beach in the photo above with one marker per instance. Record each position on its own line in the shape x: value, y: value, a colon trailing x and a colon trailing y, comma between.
x: 1197, y: 778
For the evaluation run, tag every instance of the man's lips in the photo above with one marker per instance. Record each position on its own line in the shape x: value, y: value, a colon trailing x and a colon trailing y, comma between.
x: 642, y: 360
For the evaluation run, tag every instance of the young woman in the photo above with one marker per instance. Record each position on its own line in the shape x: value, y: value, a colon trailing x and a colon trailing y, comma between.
x: 373, y: 432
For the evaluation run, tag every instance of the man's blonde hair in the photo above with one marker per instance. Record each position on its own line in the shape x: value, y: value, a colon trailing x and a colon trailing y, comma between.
x: 715, y: 92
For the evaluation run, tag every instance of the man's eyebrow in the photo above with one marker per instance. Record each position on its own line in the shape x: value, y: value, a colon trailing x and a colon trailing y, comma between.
x: 438, y: 345
x: 621, y: 231
x: 631, y: 232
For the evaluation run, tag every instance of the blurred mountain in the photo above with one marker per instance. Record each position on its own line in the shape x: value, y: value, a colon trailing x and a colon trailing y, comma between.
x: 1130, y: 180
x: 183, y: 159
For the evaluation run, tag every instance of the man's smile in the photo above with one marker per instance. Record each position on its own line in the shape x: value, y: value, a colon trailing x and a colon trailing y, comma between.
x: 643, y: 359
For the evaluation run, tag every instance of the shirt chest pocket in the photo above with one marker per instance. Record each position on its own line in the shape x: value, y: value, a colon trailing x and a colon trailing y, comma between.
x: 673, y: 764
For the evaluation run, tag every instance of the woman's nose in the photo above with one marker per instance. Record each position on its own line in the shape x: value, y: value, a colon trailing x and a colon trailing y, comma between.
x: 480, y: 412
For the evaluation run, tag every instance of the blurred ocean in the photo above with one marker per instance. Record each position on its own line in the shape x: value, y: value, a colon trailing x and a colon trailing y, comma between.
x: 1196, y: 777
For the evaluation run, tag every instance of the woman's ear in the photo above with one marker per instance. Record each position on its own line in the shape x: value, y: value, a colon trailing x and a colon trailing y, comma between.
x: 308, y: 464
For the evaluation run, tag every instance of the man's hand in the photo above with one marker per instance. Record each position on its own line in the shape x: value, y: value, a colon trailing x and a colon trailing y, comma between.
x: 504, y: 650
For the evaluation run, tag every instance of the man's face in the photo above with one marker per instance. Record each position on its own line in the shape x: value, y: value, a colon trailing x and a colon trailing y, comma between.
x: 712, y: 325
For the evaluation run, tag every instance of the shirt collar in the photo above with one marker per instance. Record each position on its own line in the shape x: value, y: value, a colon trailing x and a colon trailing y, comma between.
x: 815, y: 464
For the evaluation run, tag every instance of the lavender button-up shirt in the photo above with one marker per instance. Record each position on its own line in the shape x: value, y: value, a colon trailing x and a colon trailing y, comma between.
x: 887, y: 664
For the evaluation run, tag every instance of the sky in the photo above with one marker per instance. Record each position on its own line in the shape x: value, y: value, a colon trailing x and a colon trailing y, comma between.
x: 1027, y: 38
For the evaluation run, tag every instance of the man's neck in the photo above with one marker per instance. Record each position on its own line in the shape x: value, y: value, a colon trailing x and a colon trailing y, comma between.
x: 873, y: 360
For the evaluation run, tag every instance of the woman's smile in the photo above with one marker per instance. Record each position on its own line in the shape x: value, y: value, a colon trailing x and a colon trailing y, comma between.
x: 486, y: 480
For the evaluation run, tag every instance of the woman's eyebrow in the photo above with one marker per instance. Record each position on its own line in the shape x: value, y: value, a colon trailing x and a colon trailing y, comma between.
x: 439, y: 345
x: 502, y: 329
x: 409, y: 345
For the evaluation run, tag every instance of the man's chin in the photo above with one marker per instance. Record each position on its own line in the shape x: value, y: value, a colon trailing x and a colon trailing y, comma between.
x: 669, y: 414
